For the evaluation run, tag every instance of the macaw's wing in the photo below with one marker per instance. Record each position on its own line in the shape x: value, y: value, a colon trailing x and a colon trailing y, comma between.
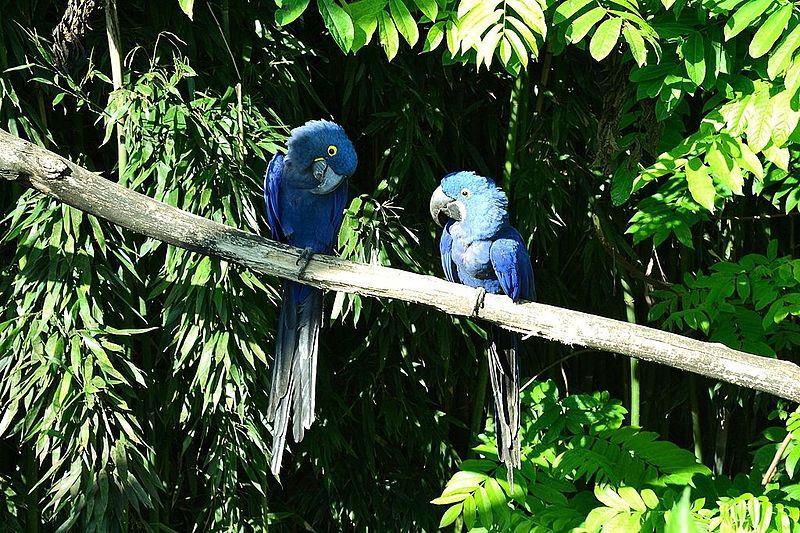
x: 446, y: 252
x: 272, y: 184
x: 512, y: 265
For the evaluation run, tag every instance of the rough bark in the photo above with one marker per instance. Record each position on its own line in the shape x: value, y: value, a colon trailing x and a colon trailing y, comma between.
x: 53, y: 175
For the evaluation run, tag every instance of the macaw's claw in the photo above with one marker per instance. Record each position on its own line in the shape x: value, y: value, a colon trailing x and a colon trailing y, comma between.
x: 478, y: 301
x: 305, y: 258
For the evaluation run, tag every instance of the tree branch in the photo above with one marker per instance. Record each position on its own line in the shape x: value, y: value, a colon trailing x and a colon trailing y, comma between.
x: 53, y: 175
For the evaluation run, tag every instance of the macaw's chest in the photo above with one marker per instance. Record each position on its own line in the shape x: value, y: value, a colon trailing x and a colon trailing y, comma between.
x: 473, y: 258
x: 310, y: 220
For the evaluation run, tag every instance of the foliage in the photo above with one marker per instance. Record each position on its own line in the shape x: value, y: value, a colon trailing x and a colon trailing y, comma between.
x: 133, y: 374
x: 583, y: 471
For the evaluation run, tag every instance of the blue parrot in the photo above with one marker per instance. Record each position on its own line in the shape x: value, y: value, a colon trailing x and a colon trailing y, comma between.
x: 305, y: 193
x: 479, y: 248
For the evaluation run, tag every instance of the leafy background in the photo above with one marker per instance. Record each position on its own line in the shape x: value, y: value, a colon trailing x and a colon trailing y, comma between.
x: 648, y: 150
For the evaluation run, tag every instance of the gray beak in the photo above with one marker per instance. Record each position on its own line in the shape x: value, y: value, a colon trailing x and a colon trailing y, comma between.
x: 443, y: 208
x: 328, y: 180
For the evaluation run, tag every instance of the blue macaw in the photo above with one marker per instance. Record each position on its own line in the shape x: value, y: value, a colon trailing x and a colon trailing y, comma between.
x: 479, y: 248
x: 305, y: 193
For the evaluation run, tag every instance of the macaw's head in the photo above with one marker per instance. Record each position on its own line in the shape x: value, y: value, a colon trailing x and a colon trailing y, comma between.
x: 475, y: 201
x: 322, y: 148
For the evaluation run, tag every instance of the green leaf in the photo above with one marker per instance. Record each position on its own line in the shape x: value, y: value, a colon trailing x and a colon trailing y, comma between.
x: 792, y: 460
x: 518, y: 46
x: 487, y: 46
x: 404, y: 21
x: 187, y: 6
x: 583, y: 24
x: 388, y: 35
x: 429, y: 8
x: 650, y: 499
x: 470, y: 512
x: 635, y: 41
x: 450, y: 515
x: 567, y: 9
x: 770, y: 31
x: 700, y: 183
x: 781, y: 57
x: 452, y: 38
x: 758, y: 129
x: 778, y: 156
x: 290, y: 11
x: 434, y: 38
x: 605, y: 38
x: 792, y: 79
x: 783, y: 118
x: 724, y: 169
x: 744, y: 16
x: 679, y: 519
x: 338, y: 23
x: 450, y: 498
x: 531, y: 13
x: 694, y: 58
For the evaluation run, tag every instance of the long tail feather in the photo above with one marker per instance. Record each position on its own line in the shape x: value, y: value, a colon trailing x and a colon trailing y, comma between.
x: 295, y: 367
x: 504, y: 376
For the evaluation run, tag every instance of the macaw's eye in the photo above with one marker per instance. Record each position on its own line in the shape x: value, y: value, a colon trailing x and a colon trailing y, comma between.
x: 332, y: 150
x: 465, y: 193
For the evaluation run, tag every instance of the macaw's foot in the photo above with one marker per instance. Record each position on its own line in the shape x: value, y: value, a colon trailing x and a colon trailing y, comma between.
x: 304, y: 259
x: 479, y: 297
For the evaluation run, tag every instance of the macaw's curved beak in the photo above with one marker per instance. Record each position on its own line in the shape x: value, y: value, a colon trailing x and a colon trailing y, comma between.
x: 443, y: 208
x: 328, y: 180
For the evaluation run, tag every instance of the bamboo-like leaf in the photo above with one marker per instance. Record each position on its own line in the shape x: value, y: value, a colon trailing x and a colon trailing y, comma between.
x: 605, y: 38
x: 770, y: 31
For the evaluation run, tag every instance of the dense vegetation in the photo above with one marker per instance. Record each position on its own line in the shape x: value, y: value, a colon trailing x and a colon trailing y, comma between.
x: 648, y: 150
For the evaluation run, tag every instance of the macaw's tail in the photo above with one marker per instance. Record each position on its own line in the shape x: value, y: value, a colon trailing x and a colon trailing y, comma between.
x: 294, y: 372
x: 504, y: 375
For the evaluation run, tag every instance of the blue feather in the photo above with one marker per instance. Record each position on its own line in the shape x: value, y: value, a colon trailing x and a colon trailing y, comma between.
x: 481, y: 249
x: 299, y: 216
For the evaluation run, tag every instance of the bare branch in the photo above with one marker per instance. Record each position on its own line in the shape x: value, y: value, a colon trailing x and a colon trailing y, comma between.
x: 53, y: 175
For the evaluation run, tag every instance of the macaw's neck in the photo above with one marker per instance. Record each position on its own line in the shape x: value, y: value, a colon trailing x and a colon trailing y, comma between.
x: 479, y: 228
x: 298, y: 174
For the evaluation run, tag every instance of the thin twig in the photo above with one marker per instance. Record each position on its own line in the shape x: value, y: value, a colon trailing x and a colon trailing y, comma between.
x: 773, y: 466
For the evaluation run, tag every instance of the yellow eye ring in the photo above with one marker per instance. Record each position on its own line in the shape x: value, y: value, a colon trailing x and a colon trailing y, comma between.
x: 332, y: 150
x: 465, y: 193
